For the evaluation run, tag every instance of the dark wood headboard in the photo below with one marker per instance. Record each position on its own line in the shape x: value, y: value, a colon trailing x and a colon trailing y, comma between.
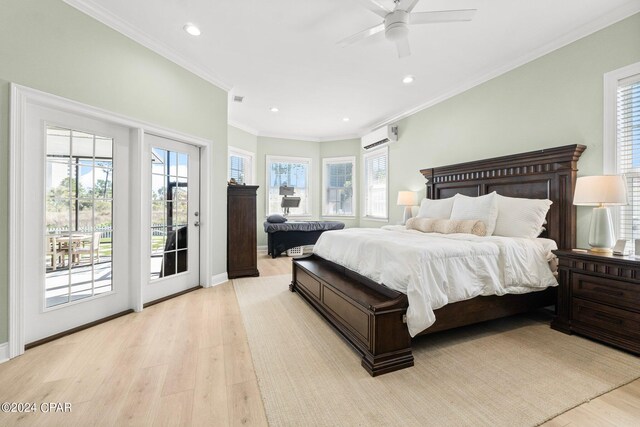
x: 543, y: 174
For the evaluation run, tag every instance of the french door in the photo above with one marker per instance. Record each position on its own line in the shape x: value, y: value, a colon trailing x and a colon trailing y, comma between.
x: 173, y: 199
x: 76, y: 190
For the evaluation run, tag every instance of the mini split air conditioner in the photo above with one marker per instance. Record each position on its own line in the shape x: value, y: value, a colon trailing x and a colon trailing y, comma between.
x: 380, y: 137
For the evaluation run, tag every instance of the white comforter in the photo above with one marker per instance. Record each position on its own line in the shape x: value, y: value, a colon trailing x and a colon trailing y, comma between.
x: 436, y: 269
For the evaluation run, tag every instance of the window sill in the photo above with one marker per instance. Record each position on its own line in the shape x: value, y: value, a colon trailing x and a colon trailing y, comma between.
x: 373, y: 218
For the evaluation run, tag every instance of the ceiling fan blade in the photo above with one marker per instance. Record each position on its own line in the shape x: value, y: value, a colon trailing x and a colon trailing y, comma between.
x: 403, y: 47
x: 362, y: 35
x: 406, y: 5
x: 375, y: 7
x: 442, y: 16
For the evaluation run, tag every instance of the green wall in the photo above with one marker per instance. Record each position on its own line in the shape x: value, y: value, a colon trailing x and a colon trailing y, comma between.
x: 241, y: 139
x: 50, y: 46
x: 554, y: 100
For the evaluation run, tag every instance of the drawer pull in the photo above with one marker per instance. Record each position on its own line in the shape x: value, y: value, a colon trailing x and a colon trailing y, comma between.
x: 607, y: 318
x: 608, y: 291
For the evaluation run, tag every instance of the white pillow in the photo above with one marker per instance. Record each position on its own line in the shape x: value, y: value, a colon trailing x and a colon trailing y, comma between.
x: 439, y: 209
x: 521, y: 217
x: 484, y: 208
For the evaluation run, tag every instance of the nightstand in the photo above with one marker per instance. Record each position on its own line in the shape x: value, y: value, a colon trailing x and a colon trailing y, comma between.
x: 599, y: 297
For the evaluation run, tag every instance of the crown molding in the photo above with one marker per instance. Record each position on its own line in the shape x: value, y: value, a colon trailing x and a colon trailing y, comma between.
x: 307, y: 138
x: 256, y: 133
x: 99, y: 13
x: 287, y: 136
x: 242, y: 127
x: 602, y: 22
x: 341, y: 137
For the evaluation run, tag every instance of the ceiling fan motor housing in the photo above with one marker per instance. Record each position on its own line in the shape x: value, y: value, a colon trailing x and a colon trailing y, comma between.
x: 396, y: 25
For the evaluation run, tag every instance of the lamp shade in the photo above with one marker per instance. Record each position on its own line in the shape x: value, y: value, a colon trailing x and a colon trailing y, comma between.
x: 407, y: 198
x: 600, y: 190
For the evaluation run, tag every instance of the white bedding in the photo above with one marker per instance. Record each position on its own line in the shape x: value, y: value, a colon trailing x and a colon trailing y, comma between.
x: 436, y: 269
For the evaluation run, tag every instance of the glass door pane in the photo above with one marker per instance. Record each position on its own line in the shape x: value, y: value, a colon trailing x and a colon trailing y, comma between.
x: 79, y: 215
x: 169, y: 213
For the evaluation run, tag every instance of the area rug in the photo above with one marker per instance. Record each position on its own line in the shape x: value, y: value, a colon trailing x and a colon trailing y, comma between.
x: 509, y: 372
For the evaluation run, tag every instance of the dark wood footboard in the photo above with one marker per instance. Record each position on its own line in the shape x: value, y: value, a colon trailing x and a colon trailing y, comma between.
x: 369, y: 316
x: 372, y: 317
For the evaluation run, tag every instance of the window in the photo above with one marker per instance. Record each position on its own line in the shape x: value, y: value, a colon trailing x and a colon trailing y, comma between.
x: 622, y: 142
x: 376, y: 176
x: 338, y: 198
x: 240, y: 165
x: 292, y: 172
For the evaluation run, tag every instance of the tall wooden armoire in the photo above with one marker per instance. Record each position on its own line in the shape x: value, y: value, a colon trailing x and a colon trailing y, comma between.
x: 242, y: 258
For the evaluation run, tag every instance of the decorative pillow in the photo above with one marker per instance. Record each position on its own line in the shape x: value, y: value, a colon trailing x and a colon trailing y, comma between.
x: 447, y: 226
x: 519, y: 217
x: 484, y: 208
x: 440, y: 208
x: 276, y: 218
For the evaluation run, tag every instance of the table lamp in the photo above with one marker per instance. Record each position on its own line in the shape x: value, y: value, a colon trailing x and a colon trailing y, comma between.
x: 601, y: 191
x: 407, y: 199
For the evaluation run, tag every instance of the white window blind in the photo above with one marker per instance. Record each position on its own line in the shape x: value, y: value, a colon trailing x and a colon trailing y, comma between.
x: 338, y: 197
x: 240, y: 166
x: 375, y: 183
x: 628, y: 153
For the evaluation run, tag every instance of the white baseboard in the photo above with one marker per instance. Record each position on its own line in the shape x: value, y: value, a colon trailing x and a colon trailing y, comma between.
x: 219, y: 279
x: 263, y: 248
x: 4, y: 352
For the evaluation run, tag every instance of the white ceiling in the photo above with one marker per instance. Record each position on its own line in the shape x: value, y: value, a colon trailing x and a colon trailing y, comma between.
x: 283, y: 53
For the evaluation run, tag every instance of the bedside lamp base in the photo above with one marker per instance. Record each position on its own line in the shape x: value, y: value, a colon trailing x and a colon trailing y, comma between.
x: 601, y: 250
x: 601, y: 238
x: 408, y: 214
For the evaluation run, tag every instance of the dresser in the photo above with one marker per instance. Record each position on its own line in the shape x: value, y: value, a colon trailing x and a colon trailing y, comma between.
x: 242, y: 258
x: 599, y: 297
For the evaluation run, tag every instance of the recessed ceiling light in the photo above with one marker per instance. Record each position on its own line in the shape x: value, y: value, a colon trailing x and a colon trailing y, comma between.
x: 408, y: 80
x: 191, y: 29
x: 345, y: 119
x: 274, y: 109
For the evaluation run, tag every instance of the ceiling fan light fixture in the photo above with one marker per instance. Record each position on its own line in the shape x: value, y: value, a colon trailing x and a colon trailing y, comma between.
x: 397, y: 31
x: 191, y: 29
x: 408, y: 79
x: 396, y: 26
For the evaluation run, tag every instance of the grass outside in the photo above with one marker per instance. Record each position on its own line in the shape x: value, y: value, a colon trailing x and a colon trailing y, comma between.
x: 105, y: 248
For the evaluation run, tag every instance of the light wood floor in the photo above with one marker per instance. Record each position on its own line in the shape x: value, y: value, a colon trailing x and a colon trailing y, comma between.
x: 185, y: 361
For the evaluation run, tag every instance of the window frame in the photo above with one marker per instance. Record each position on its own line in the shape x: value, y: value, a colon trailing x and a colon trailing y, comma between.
x: 326, y: 161
x: 239, y: 152
x: 612, y: 81
x: 365, y: 184
x: 290, y: 159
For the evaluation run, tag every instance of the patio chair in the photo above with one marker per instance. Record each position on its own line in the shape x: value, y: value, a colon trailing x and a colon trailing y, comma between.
x: 55, y: 251
x: 92, y: 250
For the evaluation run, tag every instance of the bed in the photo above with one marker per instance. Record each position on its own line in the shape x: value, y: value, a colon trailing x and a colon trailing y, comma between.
x: 286, y: 235
x: 373, y: 317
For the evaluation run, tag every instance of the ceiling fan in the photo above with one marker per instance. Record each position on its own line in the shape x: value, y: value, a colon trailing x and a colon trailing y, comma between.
x: 396, y: 22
